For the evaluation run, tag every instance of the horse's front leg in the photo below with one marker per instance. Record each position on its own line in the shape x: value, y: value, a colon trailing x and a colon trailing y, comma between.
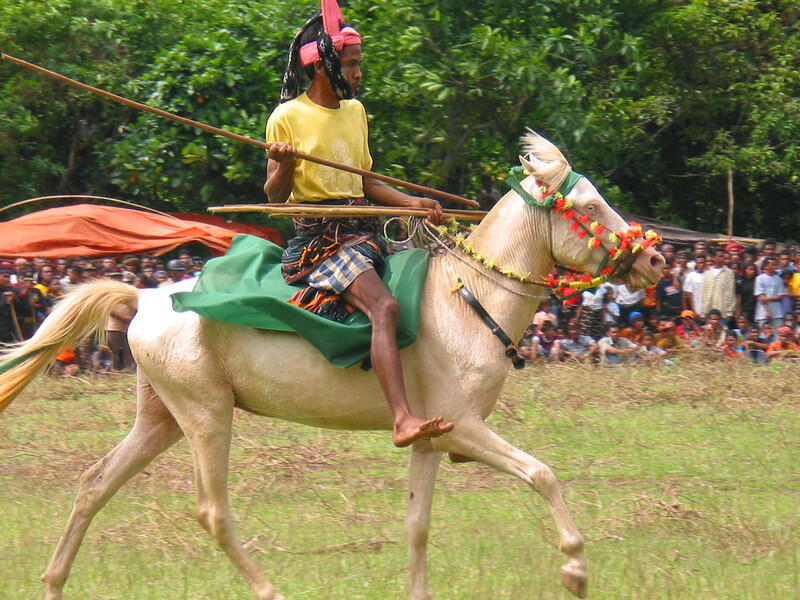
x: 424, y: 466
x: 473, y: 439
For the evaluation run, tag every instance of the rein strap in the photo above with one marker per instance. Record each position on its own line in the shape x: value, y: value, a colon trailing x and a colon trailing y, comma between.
x: 497, y: 331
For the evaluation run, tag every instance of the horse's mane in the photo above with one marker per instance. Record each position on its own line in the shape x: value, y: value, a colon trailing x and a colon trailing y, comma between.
x: 543, y: 160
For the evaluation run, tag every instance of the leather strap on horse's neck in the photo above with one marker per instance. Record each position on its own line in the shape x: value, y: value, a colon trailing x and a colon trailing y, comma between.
x: 499, y: 333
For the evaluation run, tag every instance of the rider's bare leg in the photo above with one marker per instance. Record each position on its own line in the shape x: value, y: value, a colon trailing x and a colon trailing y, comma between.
x: 369, y: 295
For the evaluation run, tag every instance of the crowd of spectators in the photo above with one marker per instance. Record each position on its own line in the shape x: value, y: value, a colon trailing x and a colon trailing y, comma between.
x: 31, y: 288
x: 729, y: 302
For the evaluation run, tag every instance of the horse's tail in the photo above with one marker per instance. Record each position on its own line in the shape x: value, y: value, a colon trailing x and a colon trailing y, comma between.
x: 81, y: 313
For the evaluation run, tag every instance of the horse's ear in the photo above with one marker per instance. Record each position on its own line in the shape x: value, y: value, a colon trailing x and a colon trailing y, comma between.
x: 527, y: 164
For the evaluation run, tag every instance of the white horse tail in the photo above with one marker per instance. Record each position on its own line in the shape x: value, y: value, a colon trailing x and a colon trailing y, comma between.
x: 82, y: 312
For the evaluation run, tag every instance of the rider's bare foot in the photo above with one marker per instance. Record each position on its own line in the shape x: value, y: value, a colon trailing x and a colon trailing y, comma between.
x: 413, y: 429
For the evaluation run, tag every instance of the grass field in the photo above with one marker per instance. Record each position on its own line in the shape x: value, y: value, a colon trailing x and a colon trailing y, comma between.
x: 685, y: 482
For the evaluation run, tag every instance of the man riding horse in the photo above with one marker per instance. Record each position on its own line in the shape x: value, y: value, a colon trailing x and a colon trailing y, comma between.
x: 340, y: 260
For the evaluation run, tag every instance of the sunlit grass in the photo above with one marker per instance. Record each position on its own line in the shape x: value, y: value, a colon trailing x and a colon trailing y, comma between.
x: 684, y: 481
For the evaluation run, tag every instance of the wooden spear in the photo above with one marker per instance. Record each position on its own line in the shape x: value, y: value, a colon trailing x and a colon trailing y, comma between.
x: 341, y: 212
x: 240, y: 138
x: 14, y: 321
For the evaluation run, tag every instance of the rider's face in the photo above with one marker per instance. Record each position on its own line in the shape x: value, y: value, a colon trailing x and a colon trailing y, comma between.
x: 350, y: 56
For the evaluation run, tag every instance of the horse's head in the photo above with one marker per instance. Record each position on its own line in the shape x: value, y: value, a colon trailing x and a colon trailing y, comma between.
x: 586, y: 233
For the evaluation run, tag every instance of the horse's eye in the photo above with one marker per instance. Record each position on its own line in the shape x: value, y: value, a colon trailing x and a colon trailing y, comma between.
x: 591, y: 207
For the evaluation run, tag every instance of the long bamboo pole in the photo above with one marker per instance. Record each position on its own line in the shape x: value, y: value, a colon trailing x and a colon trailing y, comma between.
x: 341, y: 212
x: 239, y: 138
x: 14, y: 321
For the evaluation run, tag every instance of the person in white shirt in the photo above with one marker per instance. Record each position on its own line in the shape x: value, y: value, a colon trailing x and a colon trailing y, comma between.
x: 610, y: 307
x: 628, y: 302
x: 615, y: 349
x: 74, y: 277
x: 769, y: 291
x: 693, y: 286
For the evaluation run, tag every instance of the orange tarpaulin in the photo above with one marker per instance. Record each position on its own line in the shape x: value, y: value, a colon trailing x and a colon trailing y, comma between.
x: 268, y: 233
x: 96, y: 231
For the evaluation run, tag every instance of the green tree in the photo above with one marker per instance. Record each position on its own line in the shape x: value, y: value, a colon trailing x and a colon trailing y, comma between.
x: 729, y: 73
x: 655, y: 100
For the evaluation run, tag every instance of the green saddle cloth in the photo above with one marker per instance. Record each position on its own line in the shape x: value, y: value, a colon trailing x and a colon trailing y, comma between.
x: 246, y: 287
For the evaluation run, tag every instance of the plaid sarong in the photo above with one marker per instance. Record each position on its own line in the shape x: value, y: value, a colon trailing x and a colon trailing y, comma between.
x: 328, y: 255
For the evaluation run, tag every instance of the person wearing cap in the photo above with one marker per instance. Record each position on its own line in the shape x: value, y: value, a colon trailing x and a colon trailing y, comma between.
x: 687, y: 330
x: 734, y: 251
x: 636, y: 331
x: 340, y: 260
x: 175, y: 271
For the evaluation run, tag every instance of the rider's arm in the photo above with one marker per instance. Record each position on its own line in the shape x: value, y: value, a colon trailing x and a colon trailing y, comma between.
x: 380, y: 193
x: 280, y: 172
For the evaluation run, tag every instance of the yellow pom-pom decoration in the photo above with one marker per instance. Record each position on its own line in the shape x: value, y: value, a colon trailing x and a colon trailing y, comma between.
x: 613, y: 237
x: 636, y: 248
x: 653, y: 236
x: 457, y: 287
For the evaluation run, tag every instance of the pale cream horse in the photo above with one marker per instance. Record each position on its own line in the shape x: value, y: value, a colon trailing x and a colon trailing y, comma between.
x: 194, y: 372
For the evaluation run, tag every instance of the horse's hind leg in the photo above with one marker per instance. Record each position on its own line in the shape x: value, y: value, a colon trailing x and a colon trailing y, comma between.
x: 154, y: 431
x: 207, y: 423
x: 475, y: 440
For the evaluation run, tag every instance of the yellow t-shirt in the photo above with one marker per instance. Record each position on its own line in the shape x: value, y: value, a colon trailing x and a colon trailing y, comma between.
x: 337, y: 134
x: 794, y: 284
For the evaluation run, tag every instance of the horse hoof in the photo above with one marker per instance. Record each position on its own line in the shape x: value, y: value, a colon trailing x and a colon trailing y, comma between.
x: 575, y: 579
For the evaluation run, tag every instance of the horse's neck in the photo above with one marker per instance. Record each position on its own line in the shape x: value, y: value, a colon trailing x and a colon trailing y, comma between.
x: 516, y: 238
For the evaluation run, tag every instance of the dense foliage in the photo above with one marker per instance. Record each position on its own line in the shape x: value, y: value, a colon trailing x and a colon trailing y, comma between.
x: 656, y: 100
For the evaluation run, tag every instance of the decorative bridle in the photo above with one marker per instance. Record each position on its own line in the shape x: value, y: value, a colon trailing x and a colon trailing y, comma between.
x: 623, y: 254
x: 628, y: 243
